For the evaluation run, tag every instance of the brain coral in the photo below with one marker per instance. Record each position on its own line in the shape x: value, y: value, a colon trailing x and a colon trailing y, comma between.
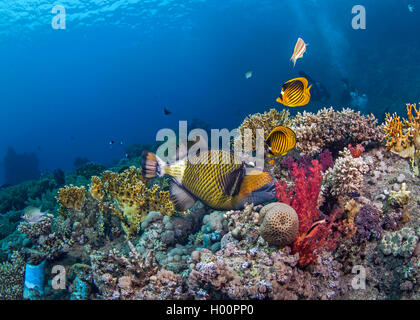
x: 280, y: 224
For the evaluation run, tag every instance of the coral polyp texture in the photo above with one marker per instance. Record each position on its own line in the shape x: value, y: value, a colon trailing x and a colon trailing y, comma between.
x: 327, y: 127
x: 280, y: 224
x: 345, y: 198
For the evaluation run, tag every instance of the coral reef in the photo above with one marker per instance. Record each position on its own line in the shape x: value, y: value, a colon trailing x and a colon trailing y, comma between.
x: 127, y: 195
x: 328, y: 127
x: 403, y: 137
x: 12, y: 278
x: 347, y: 174
x: 266, y: 121
x: 345, y: 202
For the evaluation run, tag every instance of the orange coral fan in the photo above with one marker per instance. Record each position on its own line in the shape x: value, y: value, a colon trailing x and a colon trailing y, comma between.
x: 403, y: 137
x: 127, y: 195
x: 71, y: 197
x: 413, y: 124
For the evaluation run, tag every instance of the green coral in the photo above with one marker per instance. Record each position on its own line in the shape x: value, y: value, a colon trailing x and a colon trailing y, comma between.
x: 12, y: 274
x: 400, y: 243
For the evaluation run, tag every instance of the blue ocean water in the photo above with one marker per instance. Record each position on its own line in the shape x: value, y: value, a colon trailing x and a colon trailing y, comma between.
x: 109, y: 74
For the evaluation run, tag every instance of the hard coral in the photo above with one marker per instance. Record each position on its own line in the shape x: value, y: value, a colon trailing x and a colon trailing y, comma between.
x: 71, y: 197
x: 347, y: 174
x: 328, y: 127
x: 280, y: 224
x: 403, y: 137
x: 266, y: 121
x: 127, y: 195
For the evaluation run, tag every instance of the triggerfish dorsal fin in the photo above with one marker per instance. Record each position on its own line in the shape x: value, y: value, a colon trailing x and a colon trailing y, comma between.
x: 182, y: 199
x: 232, y: 182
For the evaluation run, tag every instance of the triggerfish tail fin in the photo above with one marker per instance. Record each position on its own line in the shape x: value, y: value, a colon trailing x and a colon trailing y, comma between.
x: 152, y: 165
x: 181, y: 198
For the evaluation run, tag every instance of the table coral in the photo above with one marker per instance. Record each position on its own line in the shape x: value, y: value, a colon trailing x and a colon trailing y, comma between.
x: 328, y: 127
x: 128, y: 196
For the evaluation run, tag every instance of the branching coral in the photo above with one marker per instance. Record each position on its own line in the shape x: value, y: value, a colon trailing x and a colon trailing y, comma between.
x: 347, y: 174
x: 327, y: 127
x: 267, y: 121
x: 127, y: 195
x: 403, y: 137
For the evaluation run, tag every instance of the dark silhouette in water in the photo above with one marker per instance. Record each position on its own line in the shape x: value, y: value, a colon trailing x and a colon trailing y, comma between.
x: 59, y: 177
x: 80, y: 161
x: 20, y: 167
x: 345, y: 98
x: 318, y: 91
x: 166, y: 112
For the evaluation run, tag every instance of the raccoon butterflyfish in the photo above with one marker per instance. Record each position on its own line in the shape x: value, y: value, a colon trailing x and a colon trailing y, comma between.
x: 295, y: 93
x: 280, y: 141
x: 212, y: 177
x: 300, y: 49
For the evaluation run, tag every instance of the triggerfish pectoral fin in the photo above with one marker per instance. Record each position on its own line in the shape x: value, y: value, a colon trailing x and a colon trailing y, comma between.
x: 181, y: 198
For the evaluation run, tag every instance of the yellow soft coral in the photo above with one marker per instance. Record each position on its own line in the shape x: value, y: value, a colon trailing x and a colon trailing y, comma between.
x: 127, y: 195
x: 71, y: 197
x: 403, y: 137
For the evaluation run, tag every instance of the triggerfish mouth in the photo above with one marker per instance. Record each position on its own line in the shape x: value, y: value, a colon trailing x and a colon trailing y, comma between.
x: 300, y: 49
x: 212, y: 177
x: 295, y: 93
x: 280, y: 141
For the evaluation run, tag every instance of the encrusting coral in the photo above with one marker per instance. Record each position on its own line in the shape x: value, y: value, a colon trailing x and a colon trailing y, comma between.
x: 128, y: 196
x: 403, y: 137
x: 280, y: 224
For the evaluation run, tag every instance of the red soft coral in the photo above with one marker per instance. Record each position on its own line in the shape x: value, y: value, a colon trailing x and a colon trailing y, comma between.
x: 314, y: 234
x: 356, y: 151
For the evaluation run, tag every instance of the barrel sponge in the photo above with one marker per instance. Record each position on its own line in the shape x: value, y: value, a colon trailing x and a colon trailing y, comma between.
x: 279, y: 225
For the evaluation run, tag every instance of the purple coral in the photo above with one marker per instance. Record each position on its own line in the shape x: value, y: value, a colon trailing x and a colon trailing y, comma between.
x: 369, y: 224
x: 326, y: 160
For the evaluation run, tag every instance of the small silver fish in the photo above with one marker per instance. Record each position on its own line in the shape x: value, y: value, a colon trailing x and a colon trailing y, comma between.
x: 33, y: 215
x: 248, y: 74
